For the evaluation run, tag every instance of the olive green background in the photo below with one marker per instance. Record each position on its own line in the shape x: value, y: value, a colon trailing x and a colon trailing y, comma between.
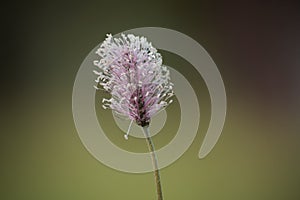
x: 256, y: 47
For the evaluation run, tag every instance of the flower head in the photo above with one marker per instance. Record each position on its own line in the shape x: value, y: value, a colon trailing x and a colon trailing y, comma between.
x: 131, y: 71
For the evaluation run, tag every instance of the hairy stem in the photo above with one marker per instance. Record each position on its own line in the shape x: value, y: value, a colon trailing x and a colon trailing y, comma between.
x: 154, y: 162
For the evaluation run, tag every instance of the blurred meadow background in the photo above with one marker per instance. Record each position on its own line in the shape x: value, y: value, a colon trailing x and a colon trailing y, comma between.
x: 256, y: 47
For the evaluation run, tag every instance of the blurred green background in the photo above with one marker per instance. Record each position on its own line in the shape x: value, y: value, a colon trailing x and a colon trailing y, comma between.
x: 256, y: 47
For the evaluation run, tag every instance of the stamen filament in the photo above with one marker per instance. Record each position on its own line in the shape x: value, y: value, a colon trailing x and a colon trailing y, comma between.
x: 126, y: 135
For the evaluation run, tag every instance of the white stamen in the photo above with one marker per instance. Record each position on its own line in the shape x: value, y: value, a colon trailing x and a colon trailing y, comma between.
x: 126, y: 135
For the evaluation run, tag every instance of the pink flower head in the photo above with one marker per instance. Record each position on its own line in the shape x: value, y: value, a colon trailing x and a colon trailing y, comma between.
x: 131, y: 71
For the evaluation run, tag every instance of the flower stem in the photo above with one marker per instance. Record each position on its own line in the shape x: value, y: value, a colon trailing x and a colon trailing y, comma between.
x: 154, y: 162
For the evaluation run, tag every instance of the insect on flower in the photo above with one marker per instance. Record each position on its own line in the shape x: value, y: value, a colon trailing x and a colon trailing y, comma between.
x: 131, y: 70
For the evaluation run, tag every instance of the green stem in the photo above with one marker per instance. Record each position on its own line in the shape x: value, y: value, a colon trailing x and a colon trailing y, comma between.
x: 154, y: 162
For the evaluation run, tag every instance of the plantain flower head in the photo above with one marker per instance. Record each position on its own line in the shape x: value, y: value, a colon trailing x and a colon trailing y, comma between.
x: 131, y: 70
